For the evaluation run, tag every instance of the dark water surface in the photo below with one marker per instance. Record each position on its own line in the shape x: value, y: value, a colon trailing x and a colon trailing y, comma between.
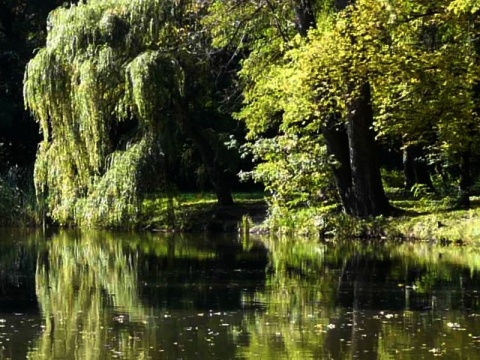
x: 100, y: 295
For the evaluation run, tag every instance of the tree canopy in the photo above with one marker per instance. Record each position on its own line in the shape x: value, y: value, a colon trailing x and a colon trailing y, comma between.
x: 114, y: 83
x: 125, y: 90
x: 415, y: 63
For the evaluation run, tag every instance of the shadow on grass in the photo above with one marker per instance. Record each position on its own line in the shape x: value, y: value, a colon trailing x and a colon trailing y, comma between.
x: 200, y: 212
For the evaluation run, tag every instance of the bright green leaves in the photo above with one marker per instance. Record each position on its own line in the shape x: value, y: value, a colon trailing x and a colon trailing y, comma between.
x: 153, y: 78
x: 112, y: 200
x: 283, y: 77
x: 423, y: 76
x: 106, y: 63
x: 127, y: 64
x: 419, y: 58
x: 250, y: 24
x: 292, y: 168
x: 464, y: 6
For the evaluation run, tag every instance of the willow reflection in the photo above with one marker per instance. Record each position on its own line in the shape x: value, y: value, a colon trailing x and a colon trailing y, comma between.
x: 104, y: 296
x: 76, y: 278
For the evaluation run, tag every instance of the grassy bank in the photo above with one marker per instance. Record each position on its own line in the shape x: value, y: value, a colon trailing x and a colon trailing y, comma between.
x: 421, y: 219
x: 438, y: 220
x: 200, y: 212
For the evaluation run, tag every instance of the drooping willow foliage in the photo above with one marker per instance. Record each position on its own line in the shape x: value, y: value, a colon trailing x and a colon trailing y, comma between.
x: 102, y: 90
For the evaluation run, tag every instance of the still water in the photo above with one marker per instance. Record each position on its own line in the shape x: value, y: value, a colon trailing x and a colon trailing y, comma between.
x: 100, y: 295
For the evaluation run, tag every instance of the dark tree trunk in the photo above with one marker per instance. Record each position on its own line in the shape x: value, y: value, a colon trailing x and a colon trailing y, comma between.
x: 415, y: 167
x: 304, y: 17
x: 352, y: 143
x: 466, y: 180
x: 215, y: 172
x: 368, y: 196
x: 336, y: 139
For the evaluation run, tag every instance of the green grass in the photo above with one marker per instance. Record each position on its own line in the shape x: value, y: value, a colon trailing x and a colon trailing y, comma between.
x: 421, y: 219
x: 427, y: 218
x: 198, y: 212
x: 207, y: 198
x: 437, y: 220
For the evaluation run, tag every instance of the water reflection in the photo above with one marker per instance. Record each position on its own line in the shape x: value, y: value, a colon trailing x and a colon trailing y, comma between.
x: 370, y: 301
x: 77, y: 277
x: 104, y: 296
x: 99, y: 295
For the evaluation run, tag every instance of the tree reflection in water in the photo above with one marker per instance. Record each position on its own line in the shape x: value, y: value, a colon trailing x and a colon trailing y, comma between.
x: 107, y: 295
x: 104, y: 296
x: 367, y: 300
x: 76, y: 279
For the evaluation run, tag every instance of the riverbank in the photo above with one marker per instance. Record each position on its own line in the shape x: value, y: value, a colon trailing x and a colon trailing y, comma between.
x: 435, y: 220
x: 439, y: 221
x: 189, y: 212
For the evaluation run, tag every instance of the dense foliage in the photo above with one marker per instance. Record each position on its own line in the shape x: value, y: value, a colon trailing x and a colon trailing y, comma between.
x: 415, y: 62
x: 135, y: 97
x: 114, y: 85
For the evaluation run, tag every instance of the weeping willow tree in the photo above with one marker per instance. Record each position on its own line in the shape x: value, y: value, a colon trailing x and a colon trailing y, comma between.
x: 110, y: 89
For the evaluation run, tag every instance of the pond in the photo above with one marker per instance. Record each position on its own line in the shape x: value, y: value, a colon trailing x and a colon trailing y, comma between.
x: 103, y: 295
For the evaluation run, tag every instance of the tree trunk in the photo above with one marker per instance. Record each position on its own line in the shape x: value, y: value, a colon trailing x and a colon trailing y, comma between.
x: 336, y: 139
x: 368, y: 196
x: 304, y: 17
x: 415, y: 168
x: 352, y: 142
x: 214, y: 171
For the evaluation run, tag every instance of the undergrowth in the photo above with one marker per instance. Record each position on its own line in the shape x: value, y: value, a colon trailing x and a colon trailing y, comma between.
x: 18, y: 205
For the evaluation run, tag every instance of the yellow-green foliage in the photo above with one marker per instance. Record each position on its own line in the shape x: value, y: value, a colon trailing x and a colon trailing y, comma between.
x: 418, y: 57
x: 90, y: 288
x: 105, y: 62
